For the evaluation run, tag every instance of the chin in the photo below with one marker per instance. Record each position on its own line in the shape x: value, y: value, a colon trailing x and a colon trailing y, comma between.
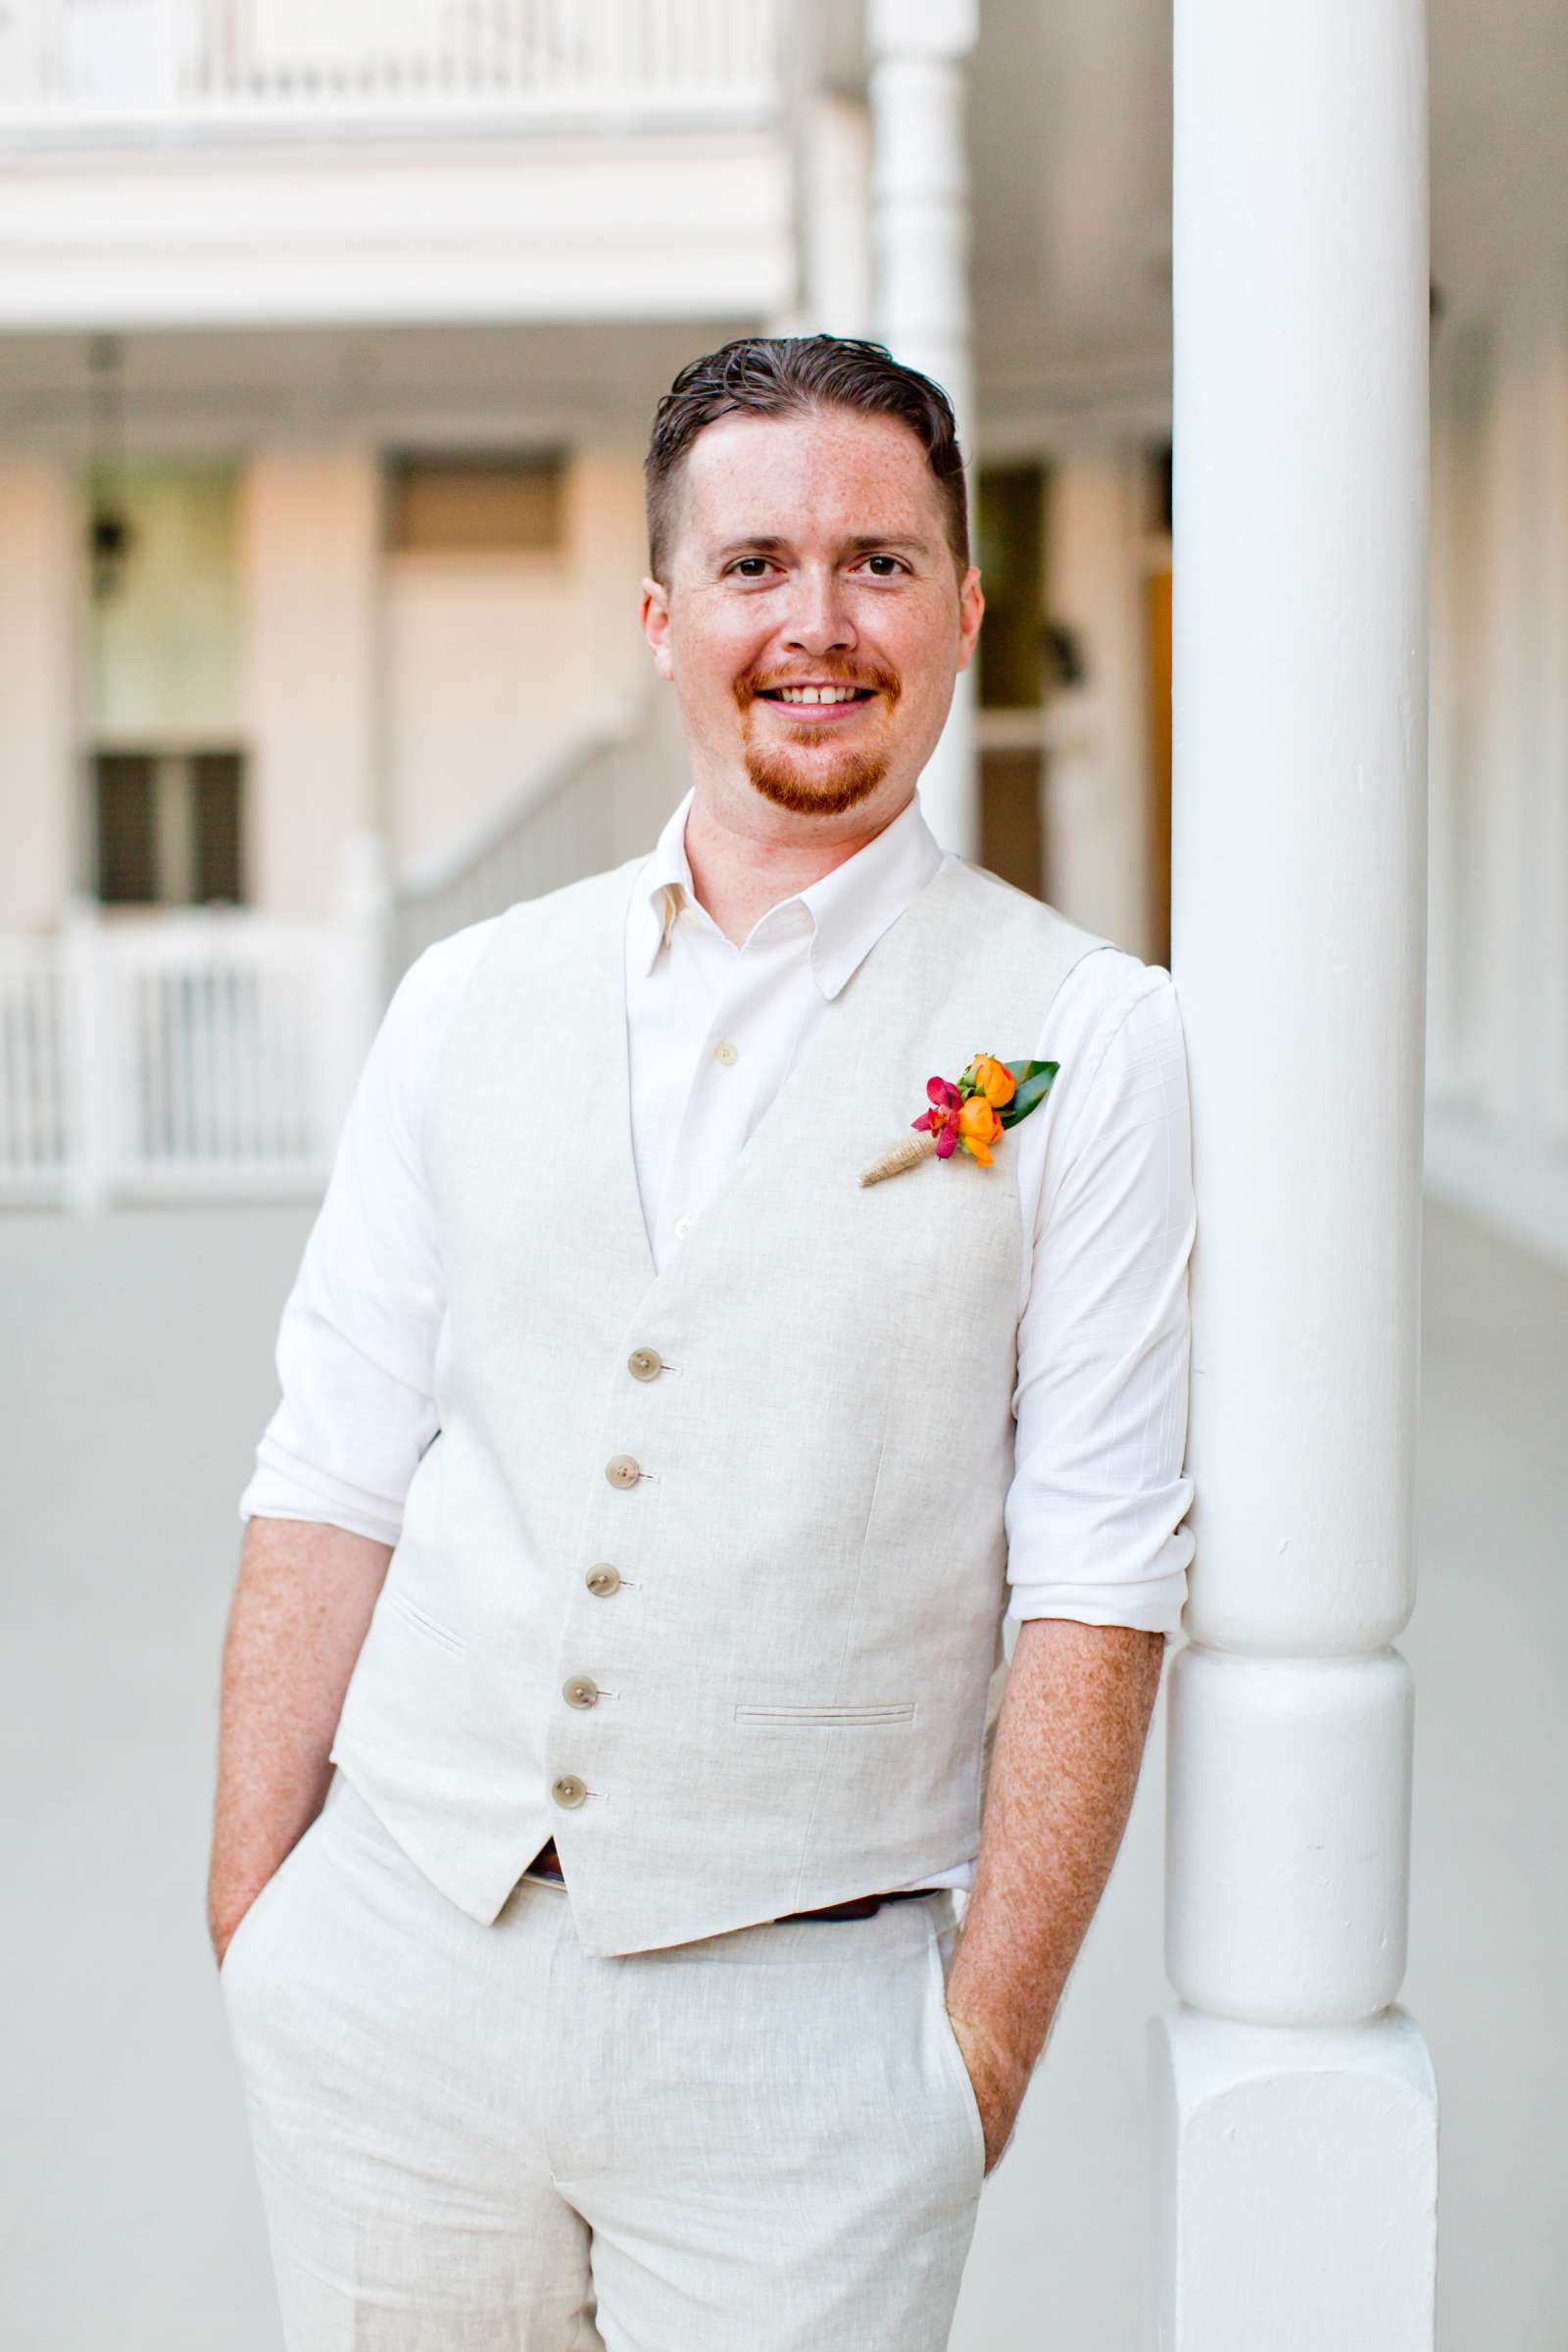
x: 815, y: 788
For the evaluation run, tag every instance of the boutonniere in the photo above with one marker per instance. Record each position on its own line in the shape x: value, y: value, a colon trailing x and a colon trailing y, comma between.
x: 990, y: 1097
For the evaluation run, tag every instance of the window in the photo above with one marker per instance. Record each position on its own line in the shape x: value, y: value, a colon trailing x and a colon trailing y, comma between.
x: 127, y: 855
x: 1011, y: 558
x: 170, y: 827
x: 214, y: 790
x: 1014, y: 670
x: 477, y: 502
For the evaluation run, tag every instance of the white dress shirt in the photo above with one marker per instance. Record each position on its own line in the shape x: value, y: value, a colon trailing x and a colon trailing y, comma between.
x: 1093, y: 1513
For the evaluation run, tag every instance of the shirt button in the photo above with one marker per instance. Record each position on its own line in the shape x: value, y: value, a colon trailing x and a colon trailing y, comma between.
x: 603, y: 1579
x: 568, y: 1789
x: 622, y: 1470
x: 645, y: 1363
x: 580, y: 1690
x: 726, y: 1051
x: 683, y: 1226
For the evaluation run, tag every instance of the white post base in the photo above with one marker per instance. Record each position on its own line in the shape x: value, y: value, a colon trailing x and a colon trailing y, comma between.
x: 1294, y: 2183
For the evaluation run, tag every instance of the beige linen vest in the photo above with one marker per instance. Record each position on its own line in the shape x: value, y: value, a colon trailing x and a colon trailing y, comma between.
x: 704, y: 1572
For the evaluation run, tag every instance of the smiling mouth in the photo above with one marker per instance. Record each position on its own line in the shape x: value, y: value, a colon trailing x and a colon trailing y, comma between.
x: 796, y: 698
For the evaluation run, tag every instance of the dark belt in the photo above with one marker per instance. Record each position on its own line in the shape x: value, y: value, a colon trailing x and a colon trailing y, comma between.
x: 547, y: 1864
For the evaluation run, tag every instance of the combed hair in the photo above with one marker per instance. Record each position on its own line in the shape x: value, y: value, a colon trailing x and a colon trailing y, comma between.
x: 788, y: 376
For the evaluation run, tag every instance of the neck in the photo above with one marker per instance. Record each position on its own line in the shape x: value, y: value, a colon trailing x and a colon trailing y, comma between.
x: 745, y: 862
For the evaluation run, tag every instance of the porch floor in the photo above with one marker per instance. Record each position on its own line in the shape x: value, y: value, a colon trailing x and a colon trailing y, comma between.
x: 136, y: 1375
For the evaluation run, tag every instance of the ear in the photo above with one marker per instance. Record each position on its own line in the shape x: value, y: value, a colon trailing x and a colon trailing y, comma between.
x: 656, y: 625
x: 971, y: 612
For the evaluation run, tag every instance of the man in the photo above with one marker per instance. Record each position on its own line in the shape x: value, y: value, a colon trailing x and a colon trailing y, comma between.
x: 637, y: 1526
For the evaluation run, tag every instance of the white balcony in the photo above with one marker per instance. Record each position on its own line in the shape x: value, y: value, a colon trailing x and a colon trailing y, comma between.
x: 194, y: 163
x: 85, y: 67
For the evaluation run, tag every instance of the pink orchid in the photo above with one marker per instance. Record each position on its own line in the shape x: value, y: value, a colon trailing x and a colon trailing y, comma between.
x: 942, y: 1119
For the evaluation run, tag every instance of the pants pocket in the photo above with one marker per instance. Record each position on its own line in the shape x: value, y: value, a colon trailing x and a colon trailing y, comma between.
x: 957, y: 2064
x: 261, y: 1902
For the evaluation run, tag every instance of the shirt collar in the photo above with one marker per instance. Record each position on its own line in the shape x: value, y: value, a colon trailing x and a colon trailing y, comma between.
x: 849, y: 908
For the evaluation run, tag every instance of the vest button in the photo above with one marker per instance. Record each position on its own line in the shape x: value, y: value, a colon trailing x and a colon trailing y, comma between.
x: 568, y: 1789
x: 645, y: 1363
x: 604, y: 1579
x: 580, y: 1690
x: 622, y: 1470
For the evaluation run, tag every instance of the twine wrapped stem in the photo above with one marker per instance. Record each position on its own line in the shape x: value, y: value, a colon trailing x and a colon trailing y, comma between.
x: 906, y: 1155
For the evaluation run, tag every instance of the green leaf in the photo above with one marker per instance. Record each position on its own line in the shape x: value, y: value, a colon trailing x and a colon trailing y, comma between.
x: 1034, y: 1085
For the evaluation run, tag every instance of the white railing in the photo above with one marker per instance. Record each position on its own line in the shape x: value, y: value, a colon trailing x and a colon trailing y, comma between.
x: 65, y: 62
x: 179, y: 1054
x: 559, y: 827
x: 197, y: 1054
x: 35, y: 1071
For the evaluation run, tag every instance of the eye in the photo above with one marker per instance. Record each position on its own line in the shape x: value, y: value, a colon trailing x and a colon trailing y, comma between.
x: 885, y: 567
x: 749, y: 567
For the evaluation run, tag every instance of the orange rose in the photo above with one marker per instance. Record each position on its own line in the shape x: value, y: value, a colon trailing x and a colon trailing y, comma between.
x: 993, y: 1079
x: 979, y: 1127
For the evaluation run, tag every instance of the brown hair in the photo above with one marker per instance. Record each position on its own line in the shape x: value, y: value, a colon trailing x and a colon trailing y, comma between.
x: 786, y: 375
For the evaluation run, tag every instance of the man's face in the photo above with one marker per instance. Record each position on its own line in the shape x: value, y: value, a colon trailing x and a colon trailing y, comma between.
x: 808, y: 558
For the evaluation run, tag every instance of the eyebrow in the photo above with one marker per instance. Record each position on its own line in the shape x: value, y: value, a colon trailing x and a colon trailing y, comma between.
x: 757, y: 543
x: 769, y: 543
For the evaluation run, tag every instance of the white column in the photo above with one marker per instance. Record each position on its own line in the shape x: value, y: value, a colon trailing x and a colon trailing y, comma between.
x: 1496, y: 1136
x: 1297, y: 2149
x: 314, y: 589
x: 920, y: 241
x: 835, y: 207
x: 1554, y: 1025
x: 1451, y: 762
x: 1097, y: 731
x: 42, y: 569
x: 1521, y: 907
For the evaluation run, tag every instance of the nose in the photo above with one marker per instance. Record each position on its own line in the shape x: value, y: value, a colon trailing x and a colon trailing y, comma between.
x: 819, y: 619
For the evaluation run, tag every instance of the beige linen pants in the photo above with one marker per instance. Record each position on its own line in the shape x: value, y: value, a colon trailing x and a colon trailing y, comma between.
x: 474, y: 2137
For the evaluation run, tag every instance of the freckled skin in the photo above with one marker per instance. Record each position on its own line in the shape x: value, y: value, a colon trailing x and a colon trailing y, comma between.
x: 299, y: 1613
x: 810, y: 549
x: 1069, y: 1745
x: 820, y: 603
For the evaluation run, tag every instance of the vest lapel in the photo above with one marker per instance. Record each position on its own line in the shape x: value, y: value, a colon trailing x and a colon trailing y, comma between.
x: 611, y: 1152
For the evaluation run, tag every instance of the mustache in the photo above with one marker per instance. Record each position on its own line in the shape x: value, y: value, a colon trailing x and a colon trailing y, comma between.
x: 877, y: 680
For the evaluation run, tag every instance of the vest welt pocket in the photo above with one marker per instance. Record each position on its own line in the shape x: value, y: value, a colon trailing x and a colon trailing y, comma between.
x: 897, y: 1710
x: 426, y: 1625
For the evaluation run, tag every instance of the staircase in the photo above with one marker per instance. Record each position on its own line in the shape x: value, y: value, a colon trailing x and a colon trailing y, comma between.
x: 210, y: 1054
x: 601, y: 802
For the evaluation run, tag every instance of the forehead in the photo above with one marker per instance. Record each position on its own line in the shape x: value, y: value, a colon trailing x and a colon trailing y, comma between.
x: 829, y: 474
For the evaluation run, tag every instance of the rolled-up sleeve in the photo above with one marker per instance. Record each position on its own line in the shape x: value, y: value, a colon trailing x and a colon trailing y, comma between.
x: 1093, y: 1513
x: 356, y: 1340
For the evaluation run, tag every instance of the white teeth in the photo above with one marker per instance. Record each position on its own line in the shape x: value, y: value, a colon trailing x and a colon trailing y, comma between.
x: 818, y: 694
